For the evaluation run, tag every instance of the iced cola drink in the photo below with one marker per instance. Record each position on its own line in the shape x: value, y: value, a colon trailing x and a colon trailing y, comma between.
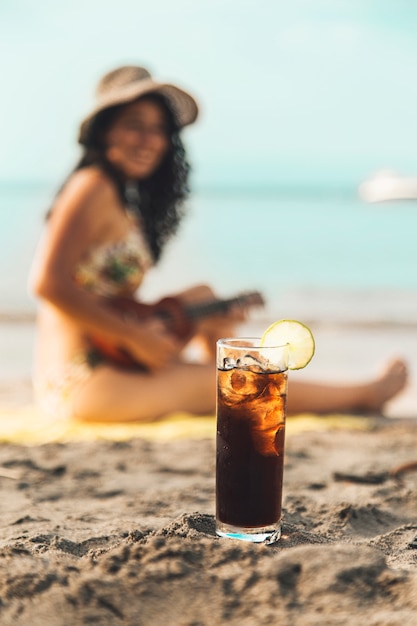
x: 251, y: 411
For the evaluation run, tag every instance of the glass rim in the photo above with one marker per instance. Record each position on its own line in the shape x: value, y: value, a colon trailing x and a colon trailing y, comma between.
x: 234, y: 342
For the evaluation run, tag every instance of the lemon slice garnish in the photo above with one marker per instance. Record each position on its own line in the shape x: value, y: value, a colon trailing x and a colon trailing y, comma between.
x: 296, y: 336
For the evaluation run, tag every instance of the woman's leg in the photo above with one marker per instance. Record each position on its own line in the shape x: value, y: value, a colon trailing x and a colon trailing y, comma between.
x: 116, y: 395
x: 314, y: 397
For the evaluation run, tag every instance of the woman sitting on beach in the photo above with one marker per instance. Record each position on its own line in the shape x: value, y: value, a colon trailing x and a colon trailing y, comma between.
x: 108, y: 226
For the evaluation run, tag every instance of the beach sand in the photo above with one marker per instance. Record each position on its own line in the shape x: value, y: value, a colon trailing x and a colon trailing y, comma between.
x: 123, y: 533
x: 107, y: 532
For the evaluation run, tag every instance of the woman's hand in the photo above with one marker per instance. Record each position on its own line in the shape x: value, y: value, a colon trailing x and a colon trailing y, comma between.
x: 152, y: 345
x: 218, y: 325
x: 213, y: 328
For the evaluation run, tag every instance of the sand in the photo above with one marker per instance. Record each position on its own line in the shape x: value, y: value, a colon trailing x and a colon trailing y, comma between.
x: 108, y: 532
x: 123, y: 533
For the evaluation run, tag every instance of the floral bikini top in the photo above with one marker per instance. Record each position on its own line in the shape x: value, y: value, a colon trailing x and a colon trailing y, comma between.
x: 115, y: 269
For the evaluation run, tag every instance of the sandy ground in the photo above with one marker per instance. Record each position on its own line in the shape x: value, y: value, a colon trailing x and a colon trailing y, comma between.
x: 123, y: 533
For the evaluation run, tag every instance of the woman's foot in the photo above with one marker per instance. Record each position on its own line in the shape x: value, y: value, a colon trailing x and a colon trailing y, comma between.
x: 388, y: 384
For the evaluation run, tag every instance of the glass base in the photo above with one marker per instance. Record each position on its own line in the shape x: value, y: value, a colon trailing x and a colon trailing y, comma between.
x: 267, y: 535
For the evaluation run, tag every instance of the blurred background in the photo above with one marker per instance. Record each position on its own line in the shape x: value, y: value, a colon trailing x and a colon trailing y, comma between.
x: 307, y: 114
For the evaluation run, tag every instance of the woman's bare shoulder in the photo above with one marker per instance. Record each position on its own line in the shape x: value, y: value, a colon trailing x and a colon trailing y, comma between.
x: 91, y: 183
x: 87, y: 193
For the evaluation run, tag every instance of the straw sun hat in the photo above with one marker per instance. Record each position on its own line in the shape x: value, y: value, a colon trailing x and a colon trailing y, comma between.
x: 127, y: 83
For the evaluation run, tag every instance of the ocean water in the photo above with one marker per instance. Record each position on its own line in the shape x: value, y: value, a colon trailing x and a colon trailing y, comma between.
x: 315, y: 254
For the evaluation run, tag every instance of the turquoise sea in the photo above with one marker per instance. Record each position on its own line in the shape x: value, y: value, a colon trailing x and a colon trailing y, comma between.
x: 314, y: 252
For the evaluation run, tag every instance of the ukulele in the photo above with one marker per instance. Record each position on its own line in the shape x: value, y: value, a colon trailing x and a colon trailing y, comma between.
x: 178, y: 316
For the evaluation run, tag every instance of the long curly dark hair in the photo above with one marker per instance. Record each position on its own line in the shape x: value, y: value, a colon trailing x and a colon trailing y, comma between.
x: 162, y: 195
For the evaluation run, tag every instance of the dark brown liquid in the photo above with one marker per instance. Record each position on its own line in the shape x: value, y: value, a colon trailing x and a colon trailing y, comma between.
x: 250, y: 447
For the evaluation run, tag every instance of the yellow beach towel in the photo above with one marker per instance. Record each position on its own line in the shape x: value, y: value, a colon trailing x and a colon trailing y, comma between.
x: 28, y: 426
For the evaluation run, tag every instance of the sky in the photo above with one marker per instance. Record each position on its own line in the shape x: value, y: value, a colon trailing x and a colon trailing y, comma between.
x: 302, y: 91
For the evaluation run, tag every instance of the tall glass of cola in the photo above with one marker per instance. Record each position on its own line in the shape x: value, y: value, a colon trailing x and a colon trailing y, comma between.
x: 251, y: 413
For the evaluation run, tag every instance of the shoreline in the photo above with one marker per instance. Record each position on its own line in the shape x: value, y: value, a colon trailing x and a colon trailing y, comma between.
x: 350, y: 324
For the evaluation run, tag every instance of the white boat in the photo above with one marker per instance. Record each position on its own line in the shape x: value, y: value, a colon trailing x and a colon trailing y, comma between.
x: 387, y: 185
